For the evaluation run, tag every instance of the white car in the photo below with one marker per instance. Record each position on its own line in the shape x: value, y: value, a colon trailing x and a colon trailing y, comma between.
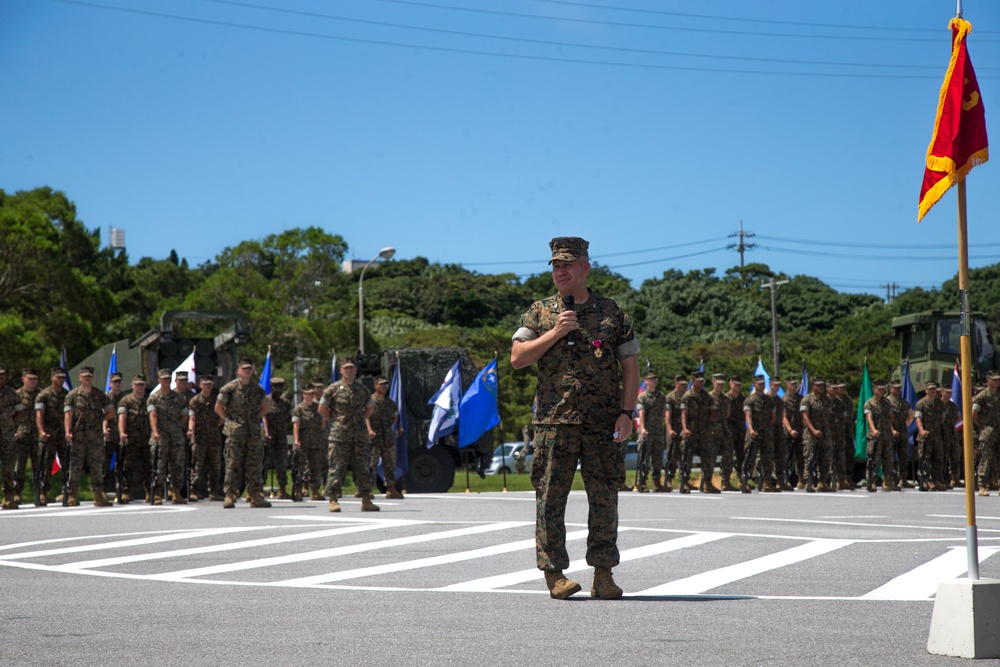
x: 503, y: 457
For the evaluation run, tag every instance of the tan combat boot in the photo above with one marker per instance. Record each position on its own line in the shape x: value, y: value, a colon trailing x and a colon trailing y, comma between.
x: 316, y: 495
x: 604, y: 586
x: 657, y: 484
x: 334, y: 505
x: 8, y: 503
x: 357, y: 494
x: 282, y: 494
x: 17, y: 498
x: 367, y: 505
x: 124, y: 499
x: 177, y: 498
x: 71, y: 500
x: 230, y: 502
x: 101, y: 500
x: 560, y: 587
x: 258, y: 500
x: 392, y: 494
x: 710, y: 488
x: 43, y: 499
x: 768, y: 487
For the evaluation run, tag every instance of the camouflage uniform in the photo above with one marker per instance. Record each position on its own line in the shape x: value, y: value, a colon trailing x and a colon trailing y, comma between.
x: 718, y: 426
x: 310, y: 423
x: 901, y: 443
x: 26, y: 438
x: 349, y: 444
x: 383, y: 416
x: 113, y: 440
x: 819, y: 452
x: 879, y: 448
x: 931, y: 447
x: 244, y: 441
x: 780, y: 446
x: 699, y: 407
x: 50, y: 401
x: 9, y: 403
x: 953, y: 442
x: 138, y: 433
x: 279, y: 426
x: 732, y: 451
x: 850, y: 434
x: 654, y: 403
x: 672, y: 404
x: 89, y: 410
x: 579, y: 399
x: 987, y: 405
x: 838, y: 443
x: 792, y: 402
x: 170, y: 408
x: 759, y: 407
x: 206, y: 446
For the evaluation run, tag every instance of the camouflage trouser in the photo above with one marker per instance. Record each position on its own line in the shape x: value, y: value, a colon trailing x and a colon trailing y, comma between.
x: 276, y: 459
x: 931, y: 451
x: 986, y: 452
x: 879, y: 452
x: 752, y: 447
x: 312, y: 459
x: 901, y: 455
x: 8, y: 455
x: 819, y: 457
x: 726, y: 452
x: 557, y: 450
x: 87, y: 447
x: 838, y: 447
x: 953, y: 455
x: 138, y: 456
x: 110, y: 454
x: 56, y: 445
x: 700, y: 443
x: 766, y: 444
x: 353, y: 452
x: 796, y: 452
x: 206, y: 464
x: 170, y: 460
x: 385, y: 448
x: 25, y: 448
x: 244, y: 455
x: 733, y: 460
x: 780, y: 455
x: 674, y: 445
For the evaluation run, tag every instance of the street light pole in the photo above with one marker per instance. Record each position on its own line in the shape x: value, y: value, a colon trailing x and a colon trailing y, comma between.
x: 384, y: 253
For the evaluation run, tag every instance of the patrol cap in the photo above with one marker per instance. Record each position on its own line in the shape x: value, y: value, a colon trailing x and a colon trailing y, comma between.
x: 697, y: 375
x: 993, y: 375
x: 758, y: 379
x: 277, y: 382
x: 650, y: 376
x: 736, y: 379
x: 895, y: 384
x: 930, y: 385
x: 245, y: 362
x: 792, y: 379
x: 29, y: 372
x: 115, y: 376
x: 840, y: 384
x: 138, y: 378
x: 181, y: 375
x: 348, y: 363
x: 818, y: 380
x: 879, y: 383
x: 3, y: 369
x: 718, y: 377
x: 775, y: 381
x: 680, y: 377
x: 58, y: 372
x: 309, y: 389
x: 946, y: 388
x: 164, y: 373
x: 568, y: 249
x: 381, y: 379
x: 206, y: 379
x: 86, y: 370
x: 318, y: 380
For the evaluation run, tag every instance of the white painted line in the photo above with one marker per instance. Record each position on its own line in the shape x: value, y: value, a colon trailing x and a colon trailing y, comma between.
x: 706, y: 581
x: 486, y: 584
x: 59, y: 511
x: 335, y: 551
x: 135, y: 542
x: 77, y: 538
x: 921, y: 582
x: 431, y: 561
x: 215, y: 548
x: 855, y: 523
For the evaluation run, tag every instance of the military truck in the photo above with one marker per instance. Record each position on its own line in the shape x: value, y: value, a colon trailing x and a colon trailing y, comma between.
x: 931, y: 344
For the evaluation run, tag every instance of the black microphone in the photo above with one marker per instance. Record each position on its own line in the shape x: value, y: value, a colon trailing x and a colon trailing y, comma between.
x: 568, y: 305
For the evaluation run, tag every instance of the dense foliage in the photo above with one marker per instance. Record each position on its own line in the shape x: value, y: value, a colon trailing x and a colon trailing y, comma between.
x: 59, y: 288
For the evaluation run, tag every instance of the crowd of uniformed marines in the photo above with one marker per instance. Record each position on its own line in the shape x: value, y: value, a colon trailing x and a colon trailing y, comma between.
x: 184, y: 444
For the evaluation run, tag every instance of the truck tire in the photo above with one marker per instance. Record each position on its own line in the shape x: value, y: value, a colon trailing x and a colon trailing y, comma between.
x: 431, y: 471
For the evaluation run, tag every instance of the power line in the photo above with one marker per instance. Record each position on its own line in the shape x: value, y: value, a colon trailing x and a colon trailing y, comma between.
x: 888, y: 258
x: 901, y: 246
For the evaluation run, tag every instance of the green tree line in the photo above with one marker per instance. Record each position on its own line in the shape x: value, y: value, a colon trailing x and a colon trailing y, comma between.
x: 60, y: 289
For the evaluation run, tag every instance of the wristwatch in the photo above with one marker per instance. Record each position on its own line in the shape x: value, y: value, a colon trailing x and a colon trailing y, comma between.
x: 632, y: 414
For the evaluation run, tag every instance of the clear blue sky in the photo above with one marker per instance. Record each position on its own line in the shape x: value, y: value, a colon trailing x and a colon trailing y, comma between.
x: 473, y: 131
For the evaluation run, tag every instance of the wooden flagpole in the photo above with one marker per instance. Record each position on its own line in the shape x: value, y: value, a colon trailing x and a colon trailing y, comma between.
x: 971, y: 537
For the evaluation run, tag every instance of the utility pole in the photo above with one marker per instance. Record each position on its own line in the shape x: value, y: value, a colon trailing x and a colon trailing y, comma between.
x: 890, y: 291
x: 773, y: 286
x: 742, y: 245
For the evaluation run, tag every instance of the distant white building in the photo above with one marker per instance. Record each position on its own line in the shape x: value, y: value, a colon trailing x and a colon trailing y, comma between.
x: 352, y: 265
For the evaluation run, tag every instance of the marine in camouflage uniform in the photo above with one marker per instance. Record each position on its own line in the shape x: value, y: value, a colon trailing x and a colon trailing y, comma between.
x: 986, y: 416
x: 779, y: 448
x: 953, y: 440
x: 112, y: 438
x: 878, y: 413
x: 732, y: 451
x: 346, y: 403
x: 135, y: 432
x: 168, y: 417
x: 242, y: 403
x: 279, y: 425
x: 792, y: 423
x: 850, y: 433
x: 9, y: 404
x: 835, y: 436
x: 719, y: 421
x: 675, y: 437
x: 652, y: 407
x: 757, y: 413
x: 583, y: 414
x: 86, y: 408
x: 696, y: 419
x: 818, y: 421
x: 51, y: 434
x: 930, y: 415
x: 382, y: 431
x: 206, y: 442
x: 307, y: 429
x: 902, y: 415
x: 26, y: 433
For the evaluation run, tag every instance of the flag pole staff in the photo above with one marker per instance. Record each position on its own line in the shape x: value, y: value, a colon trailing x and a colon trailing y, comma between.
x: 971, y: 537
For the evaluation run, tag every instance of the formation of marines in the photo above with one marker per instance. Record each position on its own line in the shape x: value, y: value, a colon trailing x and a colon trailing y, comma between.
x: 180, y: 444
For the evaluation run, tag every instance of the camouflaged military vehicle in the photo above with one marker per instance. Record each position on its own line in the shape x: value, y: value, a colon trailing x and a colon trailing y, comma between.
x: 931, y: 344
